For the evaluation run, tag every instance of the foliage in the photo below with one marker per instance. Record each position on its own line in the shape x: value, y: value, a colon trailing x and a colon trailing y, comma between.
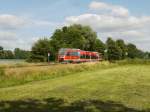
x: 132, y: 51
x: 74, y: 36
x: 16, y: 54
x: 1, y: 48
x: 40, y: 51
x: 121, y: 44
x: 21, y: 54
x: 83, y: 37
x: 6, y: 54
x: 113, y: 50
x: 100, y: 46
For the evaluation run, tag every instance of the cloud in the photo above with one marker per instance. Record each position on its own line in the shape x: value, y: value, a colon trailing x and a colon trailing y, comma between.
x: 8, y: 36
x: 17, y: 31
x: 8, y: 21
x: 115, y: 21
x: 13, y: 22
x: 106, y: 19
x: 12, y: 43
x: 107, y: 23
x: 113, y: 9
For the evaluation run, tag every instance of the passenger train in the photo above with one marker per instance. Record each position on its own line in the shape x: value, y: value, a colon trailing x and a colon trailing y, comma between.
x: 69, y: 55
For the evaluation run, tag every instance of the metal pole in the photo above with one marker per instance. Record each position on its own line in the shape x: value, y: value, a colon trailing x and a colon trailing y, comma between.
x: 90, y: 57
x: 48, y: 57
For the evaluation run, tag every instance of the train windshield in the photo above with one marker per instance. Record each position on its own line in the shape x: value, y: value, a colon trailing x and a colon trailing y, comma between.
x: 62, y: 52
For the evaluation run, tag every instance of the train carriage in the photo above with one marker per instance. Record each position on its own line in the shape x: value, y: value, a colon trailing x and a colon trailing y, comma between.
x: 69, y: 55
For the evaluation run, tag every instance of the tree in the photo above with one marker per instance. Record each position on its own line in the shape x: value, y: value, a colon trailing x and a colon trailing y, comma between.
x: 75, y: 36
x: 1, y: 48
x: 140, y: 54
x: 132, y: 50
x: 17, y: 53
x: 120, y: 43
x: 99, y: 46
x: 21, y: 54
x: 113, y: 50
x: 40, y: 50
x: 8, y: 54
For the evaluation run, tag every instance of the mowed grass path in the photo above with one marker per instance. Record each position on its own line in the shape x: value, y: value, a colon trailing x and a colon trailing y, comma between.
x: 121, y: 87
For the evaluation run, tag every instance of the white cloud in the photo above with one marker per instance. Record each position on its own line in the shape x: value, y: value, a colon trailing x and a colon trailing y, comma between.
x: 115, y: 22
x: 43, y: 23
x: 107, y: 23
x: 8, y: 36
x: 15, y: 30
x: 23, y: 43
x: 106, y: 19
x: 113, y: 9
x: 8, y: 21
x: 98, y: 5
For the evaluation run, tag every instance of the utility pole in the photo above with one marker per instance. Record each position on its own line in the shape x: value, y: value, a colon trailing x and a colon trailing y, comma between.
x: 48, y: 57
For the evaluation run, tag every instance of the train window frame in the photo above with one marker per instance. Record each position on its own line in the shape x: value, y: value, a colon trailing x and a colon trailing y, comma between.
x: 74, y: 53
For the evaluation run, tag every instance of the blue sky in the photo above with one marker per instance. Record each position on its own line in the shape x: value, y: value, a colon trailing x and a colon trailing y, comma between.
x: 22, y: 22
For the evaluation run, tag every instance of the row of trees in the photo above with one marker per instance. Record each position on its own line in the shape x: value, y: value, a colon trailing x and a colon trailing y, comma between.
x: 119, y: 50
x: 16, y: 54
x: 76, y: 36
x: 83, y: 37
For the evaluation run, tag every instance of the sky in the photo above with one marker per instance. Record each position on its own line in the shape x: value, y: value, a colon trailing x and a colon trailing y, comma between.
x: 23, y: 22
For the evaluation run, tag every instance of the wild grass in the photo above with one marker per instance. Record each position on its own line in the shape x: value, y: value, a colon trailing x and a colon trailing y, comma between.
x: 134, y: 61
x: 88, y: 87
x: 2, y: 72
x: 23, y: 73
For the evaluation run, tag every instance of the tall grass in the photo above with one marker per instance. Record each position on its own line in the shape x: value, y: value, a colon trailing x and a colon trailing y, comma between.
x: 2, y: 72
x: 20, y: 75
x: 134, y: 61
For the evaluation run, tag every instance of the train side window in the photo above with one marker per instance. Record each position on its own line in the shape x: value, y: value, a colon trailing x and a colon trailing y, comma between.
x: 68, y: 54
x: 74, y: 54
x: 93, y: 57
x: 82, y: 56
x: 87, y: 56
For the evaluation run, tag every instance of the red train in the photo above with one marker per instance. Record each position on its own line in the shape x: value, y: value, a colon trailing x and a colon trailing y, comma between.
x: 68, y: 55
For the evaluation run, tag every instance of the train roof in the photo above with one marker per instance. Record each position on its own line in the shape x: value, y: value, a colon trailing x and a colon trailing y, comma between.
x: 74, y: 49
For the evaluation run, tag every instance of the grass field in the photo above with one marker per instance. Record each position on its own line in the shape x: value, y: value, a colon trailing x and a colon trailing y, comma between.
x: 89, y: 87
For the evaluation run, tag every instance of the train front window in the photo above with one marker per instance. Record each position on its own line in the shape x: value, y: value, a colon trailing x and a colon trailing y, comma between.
x: 62, y: 52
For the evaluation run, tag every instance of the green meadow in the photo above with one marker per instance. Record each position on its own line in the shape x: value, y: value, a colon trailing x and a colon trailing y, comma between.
x: 88, y: 87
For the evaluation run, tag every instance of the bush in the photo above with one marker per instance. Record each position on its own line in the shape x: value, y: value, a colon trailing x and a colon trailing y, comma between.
x: 36, y: 58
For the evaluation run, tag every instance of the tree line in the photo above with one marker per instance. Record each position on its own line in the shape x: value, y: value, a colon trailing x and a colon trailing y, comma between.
x: 16, y: 54
x: 83, y: 37
x: 76, y: 36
